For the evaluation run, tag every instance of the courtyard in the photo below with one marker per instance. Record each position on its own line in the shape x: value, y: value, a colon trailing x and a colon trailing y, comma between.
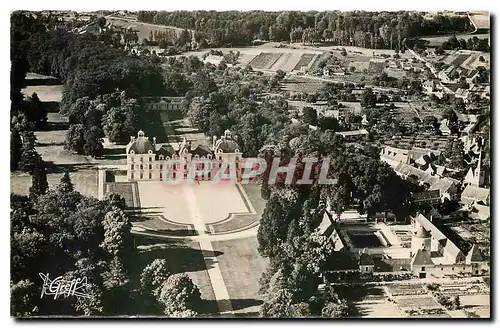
x: 200, y: 205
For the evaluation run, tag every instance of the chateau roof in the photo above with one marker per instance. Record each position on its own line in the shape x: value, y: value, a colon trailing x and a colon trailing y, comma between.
x: 200, y: 151
x: 366, y: 259
x: 166, y: 150
x: 422, y: 233
x: 424, y: 222
x: 421, y: 257
x: 227, y: 146
x: 474, y: 255
x: 140, y: 145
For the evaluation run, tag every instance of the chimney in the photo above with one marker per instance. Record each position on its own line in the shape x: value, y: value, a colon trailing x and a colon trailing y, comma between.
x: 214, y: 140
x: 132, y: 138
x: 154, y: 142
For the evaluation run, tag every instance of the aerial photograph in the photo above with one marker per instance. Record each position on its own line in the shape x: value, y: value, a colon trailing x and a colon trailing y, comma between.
x: 250, y: 164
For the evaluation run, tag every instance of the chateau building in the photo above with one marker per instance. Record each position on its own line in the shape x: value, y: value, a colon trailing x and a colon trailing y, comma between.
x: 146, y: 162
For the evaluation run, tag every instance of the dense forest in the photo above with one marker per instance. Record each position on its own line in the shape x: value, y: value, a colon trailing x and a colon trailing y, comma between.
x: 101, y: 83
x: 358, y: 28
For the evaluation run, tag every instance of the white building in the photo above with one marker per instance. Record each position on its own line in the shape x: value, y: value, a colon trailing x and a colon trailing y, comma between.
x: 145, y: 162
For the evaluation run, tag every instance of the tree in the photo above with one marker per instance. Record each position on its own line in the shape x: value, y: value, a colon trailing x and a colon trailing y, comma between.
x: 310, y: 116
x: 456, y: 155
x: 24, y: 297
x: 278, y: 299
x: 93, y: 142
x: 462, y: 83
x: 452, y: 118
x: 115, y: 200
x: 368, y: 99
x: 15, y: 149
x: 300, y: 310
x: 153, y: 276
x: 117, y: 238
x: 93, y: 305
x: 329, y: 123
x: 180, y: 296
x: 29, y: 156
x: 65, y: 185
x: 335, y: 310
x: 39, y: 184
x: 439, y: 51
x: 456, y: 302
x: 74, y: 138
x: 36, y: 111
x: 101, y: 21
x: 280, y: 209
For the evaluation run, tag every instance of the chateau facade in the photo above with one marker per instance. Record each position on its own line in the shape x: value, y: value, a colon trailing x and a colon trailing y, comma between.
x: 145, y: 162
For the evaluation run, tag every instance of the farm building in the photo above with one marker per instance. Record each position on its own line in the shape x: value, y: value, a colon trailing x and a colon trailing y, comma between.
x: 435, y: 254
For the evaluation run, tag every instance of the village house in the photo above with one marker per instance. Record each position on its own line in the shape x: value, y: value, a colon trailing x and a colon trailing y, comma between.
x: 447, y: 187
x: 475, y: 195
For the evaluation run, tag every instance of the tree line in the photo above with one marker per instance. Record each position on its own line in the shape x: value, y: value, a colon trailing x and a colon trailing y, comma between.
x: 90, y: 69
x: 377, y: 30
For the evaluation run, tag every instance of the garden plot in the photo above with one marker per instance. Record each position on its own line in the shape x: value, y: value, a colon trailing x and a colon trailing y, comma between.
x: 302, y: 84
x: 265, y: 60
x: 287, y: 62
x: 304, y: 62
x: 402, y: 290
x: 459, y: 59
x: 416, y: 302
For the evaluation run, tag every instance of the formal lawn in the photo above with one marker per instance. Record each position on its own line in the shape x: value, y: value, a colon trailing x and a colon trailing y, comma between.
x: 241, y: 267
x: 85, y: 182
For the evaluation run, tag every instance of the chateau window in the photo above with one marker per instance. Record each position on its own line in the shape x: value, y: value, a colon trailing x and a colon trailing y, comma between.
x: 151, y: 159
x: 142, y: 167
x: 141, y: 176
x: 423, y: 268
x: 142, y: 159
x: 173, y: 175
x: 131, y: 166
x: 132, y: 159
x: 161, y: 166
x: 150, y: 166
x: 149, y: 175
x: 161, y: 176
x: 132, y: 176
x: 161, y: 157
